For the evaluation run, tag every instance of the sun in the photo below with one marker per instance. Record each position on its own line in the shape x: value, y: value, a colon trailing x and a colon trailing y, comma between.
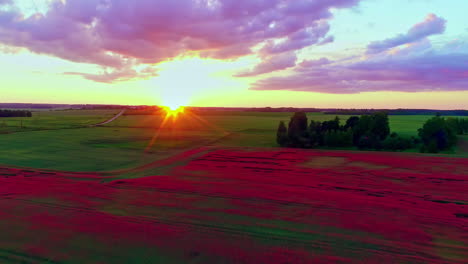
x: 173, y: 110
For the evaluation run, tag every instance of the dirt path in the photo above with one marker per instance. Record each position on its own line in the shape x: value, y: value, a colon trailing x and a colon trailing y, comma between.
x: 110, y: 120
x: 182, y: 156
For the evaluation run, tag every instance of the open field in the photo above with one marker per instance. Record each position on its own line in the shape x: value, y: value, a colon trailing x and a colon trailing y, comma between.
x: 201, y: 190
x: 59, y: 119
x: 64, y: 140
x: 243, y: 206
x: 241, y: 121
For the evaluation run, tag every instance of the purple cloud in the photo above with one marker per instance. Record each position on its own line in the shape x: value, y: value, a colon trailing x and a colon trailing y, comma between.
x: 431, y: 25
x: 273, y: 63
x: 118, y: 75
x: 415, y: 68
x: 121, y: 34
x: 6, y: 2
x: 313, y: 63
x: 310, y: 36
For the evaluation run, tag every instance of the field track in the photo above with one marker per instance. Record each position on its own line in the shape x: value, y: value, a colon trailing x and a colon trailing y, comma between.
x: 111, y: 119
x: 243, y: 206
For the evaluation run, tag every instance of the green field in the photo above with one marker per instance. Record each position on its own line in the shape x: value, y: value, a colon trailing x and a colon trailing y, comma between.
x: 59, y: 119
x: 64, y: 140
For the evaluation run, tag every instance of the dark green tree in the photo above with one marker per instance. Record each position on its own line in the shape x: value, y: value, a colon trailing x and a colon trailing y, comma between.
x: 380, y: 126
x: 459, y: 125
x: 351, y: 122
x: 436, y: 135
x: 338, y: 138
x: 315, y: 136
x: 297, y: 130
x: 396, y: 143
x: 282, y: 134
x: 361, y: 128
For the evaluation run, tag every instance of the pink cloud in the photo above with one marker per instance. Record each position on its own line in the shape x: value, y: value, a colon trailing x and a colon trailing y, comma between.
x: 272, y: 63
x: 118, y: 75
x: 313, y: 63
x: 414, y: 68
x: 120, y: 34
x: 431, y: 25
x: 407, y: 63
x: 300, y: 39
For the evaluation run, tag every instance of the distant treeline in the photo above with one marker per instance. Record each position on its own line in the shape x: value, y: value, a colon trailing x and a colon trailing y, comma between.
x: 397, y: 112
x: 246, y: 109
x: 15, y: 113
x: 369, y: 132
x: 143, y: 110
x: 32, y: 106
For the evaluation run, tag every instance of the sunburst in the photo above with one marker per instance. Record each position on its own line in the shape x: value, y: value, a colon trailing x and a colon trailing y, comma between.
x: 173, y: 110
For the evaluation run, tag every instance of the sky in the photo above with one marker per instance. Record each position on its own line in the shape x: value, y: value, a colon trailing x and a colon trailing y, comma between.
x: 236, y: 53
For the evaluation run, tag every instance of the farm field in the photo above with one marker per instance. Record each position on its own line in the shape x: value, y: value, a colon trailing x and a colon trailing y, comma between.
x: 65, y: 140
x: 242, y: 205
x: 59, y: 119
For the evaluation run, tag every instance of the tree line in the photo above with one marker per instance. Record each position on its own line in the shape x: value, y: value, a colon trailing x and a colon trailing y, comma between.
x: 439, y: 133
x: 368, y: 132
x: 15, y: 113
x: 396, y: 112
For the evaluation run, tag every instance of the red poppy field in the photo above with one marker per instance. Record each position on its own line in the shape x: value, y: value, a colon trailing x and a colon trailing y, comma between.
x: 243, y: 206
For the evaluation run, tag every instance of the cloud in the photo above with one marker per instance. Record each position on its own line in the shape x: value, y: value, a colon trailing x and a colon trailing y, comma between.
x: 416, y: 67
x: 6, y: 2
x: 119, y: 34
x: 431, y: 25
x: 119, y: 75
x: 326, y: 40
x: 272, y: 63
x: 313, y: 63
x: 316, y: 34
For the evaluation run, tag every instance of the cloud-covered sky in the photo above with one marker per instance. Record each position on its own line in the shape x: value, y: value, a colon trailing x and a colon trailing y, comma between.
x: 332, y: 47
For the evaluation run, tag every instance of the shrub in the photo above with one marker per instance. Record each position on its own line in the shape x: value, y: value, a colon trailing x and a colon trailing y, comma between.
x: 396, y: 143
x: 437, y: 135
x: 338, y: 138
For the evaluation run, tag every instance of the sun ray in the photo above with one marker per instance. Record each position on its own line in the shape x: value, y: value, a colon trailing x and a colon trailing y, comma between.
x: 205, y: 122
x: 156, y: 135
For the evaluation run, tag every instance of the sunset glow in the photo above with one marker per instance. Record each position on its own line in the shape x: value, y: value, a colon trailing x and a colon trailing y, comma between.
x: 234, y: 131
x: 173, y: 110
x: 342, y: 53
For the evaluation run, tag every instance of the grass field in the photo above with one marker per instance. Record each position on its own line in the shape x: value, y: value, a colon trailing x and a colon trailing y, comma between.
x: 64, y: 140
x: 243, y: 206
x: 60, y: 119
x: 214, y: 188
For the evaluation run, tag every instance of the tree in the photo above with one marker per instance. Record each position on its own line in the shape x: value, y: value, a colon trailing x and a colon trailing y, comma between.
x: 396, y: 143
x: 297, y: 130
x: 351, y: 122
x: 436, y: 135
x: 458, y: 125
x: 361, y: 128
x: 380, y: 126
x: 315, y: 135
x: 282, y: 134
x: 338, y: 138
x: 15, y: 113
x: 370, y: 131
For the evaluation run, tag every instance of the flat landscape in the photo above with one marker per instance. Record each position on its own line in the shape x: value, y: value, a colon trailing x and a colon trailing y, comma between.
x: 243, y: 206
x: 66, y: 140
x: 233, y: 131
x: 215, y: 188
